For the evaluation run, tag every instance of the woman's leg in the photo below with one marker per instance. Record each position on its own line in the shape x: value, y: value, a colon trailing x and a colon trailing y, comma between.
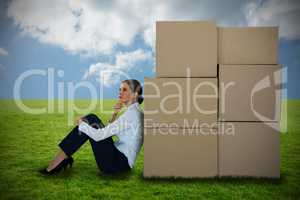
x: 109, y: 159
x: 60, y: 156
x: 73, y: 141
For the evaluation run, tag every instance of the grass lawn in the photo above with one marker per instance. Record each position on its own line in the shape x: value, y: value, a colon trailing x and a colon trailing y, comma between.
x: 28, y: 142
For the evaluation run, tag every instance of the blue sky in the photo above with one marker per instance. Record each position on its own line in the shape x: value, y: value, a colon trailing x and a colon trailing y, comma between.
x: 92, y: 40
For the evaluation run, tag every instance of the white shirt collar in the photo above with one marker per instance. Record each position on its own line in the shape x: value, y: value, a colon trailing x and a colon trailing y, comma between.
x: 135, y: 104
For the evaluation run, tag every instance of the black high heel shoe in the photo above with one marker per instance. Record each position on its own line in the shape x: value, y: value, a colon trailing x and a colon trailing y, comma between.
x: 62, y: 165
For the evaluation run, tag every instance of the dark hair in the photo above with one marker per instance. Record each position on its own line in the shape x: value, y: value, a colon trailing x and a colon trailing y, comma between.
x: 135, y: 86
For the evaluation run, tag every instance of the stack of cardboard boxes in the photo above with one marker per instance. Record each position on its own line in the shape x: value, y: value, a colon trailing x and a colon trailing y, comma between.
x: 249, y: 88
x: 192, y: 103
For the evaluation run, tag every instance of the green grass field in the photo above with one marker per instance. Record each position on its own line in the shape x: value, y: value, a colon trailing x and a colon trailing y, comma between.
x: 28, y: 142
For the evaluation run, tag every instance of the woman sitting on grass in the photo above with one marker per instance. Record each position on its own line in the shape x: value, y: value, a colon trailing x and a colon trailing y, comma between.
x: 111, y: 157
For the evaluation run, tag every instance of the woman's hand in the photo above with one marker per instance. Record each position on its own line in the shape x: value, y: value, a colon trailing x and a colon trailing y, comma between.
x: 117, y: 107
x: 78, y: 120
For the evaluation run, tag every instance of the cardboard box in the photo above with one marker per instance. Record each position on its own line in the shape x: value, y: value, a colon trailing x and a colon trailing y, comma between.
x: 182, y: 45
x: 180, y: 102
x: 249, y: 93
x: 251, y: 45
x: 180, y: 152
x: 253, y: 149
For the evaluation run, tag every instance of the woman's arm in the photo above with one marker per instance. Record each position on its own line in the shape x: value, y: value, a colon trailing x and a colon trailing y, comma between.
x: 117, y: 107
x: 119, y: 126
x: 113, y: 117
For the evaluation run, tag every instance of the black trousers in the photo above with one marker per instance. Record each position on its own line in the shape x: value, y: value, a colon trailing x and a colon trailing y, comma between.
x: 109, y: 159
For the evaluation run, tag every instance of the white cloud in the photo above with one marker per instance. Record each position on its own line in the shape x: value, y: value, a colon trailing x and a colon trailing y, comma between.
x: 85, y: 27
x: 109, y: 74
x: 97, y: 27
x: 285, y: 14
x: 3, y: 52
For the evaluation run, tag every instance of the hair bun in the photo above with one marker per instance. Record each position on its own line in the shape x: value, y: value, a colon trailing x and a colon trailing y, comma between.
x: 140, y: 99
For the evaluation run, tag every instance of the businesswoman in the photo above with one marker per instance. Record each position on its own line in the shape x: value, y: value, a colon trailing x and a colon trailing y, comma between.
x: 111, y: 157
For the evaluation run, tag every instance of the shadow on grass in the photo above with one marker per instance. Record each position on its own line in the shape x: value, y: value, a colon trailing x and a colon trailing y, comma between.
x: 216, y: 180
x: 118, y: 176
x: 129, y: 174
x: 69, y: 173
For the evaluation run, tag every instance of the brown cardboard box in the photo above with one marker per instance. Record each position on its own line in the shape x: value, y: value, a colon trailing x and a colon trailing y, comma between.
x: 186, y: 44
x: 251, y: 45
x: 252, y: 149
x: 180, y: 102
x: 249, y: 93
x: 180, y: 152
